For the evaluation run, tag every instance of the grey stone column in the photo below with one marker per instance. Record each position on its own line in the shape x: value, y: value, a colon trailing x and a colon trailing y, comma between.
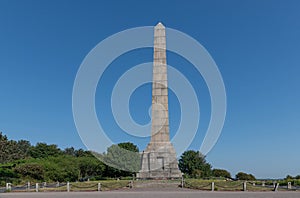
x: 159, y: 157
x: 160, y: 115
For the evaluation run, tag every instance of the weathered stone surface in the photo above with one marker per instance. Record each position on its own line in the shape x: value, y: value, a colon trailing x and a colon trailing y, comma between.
x: 159, y: 158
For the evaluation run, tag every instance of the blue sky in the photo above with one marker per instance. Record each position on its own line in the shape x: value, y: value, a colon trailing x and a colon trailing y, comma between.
x: 254, y: 43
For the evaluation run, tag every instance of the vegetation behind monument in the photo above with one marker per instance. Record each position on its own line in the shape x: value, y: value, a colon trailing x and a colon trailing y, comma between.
x: 22, y: 162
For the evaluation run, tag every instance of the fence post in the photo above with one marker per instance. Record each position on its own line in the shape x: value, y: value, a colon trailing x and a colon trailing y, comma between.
x: 245, y: 186
x: 99, y: 186
x: 276, y: 187
x: 212, y: 186
x: 68, y: 186
x: 8, y: 186
x: 37, y: 187
x: 289, y: 186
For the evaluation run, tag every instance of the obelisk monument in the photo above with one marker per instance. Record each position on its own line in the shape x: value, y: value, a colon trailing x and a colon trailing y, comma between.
x: 159, y: 158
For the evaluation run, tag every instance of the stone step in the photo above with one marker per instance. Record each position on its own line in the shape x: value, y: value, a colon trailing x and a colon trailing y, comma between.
x: 157, y: 184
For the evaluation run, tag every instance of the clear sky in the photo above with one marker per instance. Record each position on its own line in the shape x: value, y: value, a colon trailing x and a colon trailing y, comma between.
x: 255, y: 44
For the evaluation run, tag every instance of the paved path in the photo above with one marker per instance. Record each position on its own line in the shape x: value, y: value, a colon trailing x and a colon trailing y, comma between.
x: 153, y: 194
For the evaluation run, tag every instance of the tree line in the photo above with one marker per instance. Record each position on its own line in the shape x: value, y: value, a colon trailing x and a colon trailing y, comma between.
x: 20, y: 161
x: 193, y: 164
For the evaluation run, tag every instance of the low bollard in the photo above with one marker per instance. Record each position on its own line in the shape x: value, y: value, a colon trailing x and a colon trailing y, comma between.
x: 212, y: 186
x: 263, y: 183
x: 276, y: 187
x: 37, y: 187
x: 8, y: 186
x: 289, y: 186
x: 130, y: 184
x: 99, y: 186
x: 245, y: 186
x: 68, y: 186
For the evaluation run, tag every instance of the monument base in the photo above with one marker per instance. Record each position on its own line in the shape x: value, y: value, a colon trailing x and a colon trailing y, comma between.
x: 159, y: 162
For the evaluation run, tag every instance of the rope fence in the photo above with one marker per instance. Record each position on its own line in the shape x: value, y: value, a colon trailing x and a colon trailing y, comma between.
x: 241, y: 186
x: 37, y: 187
x: 193, y: 184
x: 199, y: 187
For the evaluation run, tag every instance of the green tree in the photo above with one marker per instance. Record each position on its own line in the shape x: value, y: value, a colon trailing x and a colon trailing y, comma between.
x: 244, y: 176
x: 124, y: 156
x: 221, y: 173
x: 6, y: 172
x: 83, y: 153
x: 193, y: 164
x: 91, y: 167
x: 21, y: 161
x: 31, y: 170
x: 289, y: 177
x: 11, y: 150
x: 3, y: 148
x: 70, y: 151
x: 23, y: 146
x: 129, y: 146
x: 43, y: 150
x: 61, y: 168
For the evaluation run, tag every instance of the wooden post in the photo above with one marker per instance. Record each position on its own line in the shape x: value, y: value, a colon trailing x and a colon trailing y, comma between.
x: 132, y: 180
x: 99, y: 186
x: 276, y: 187
x: 68, y: 186
x: 8, y: 186
x: 245, y: 186
x: 37, y: 187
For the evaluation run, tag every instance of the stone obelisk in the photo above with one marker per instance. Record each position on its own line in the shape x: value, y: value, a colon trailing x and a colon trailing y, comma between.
x: 159, y: 158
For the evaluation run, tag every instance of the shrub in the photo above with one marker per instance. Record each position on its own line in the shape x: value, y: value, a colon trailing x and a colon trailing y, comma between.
x: 33, y: 170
